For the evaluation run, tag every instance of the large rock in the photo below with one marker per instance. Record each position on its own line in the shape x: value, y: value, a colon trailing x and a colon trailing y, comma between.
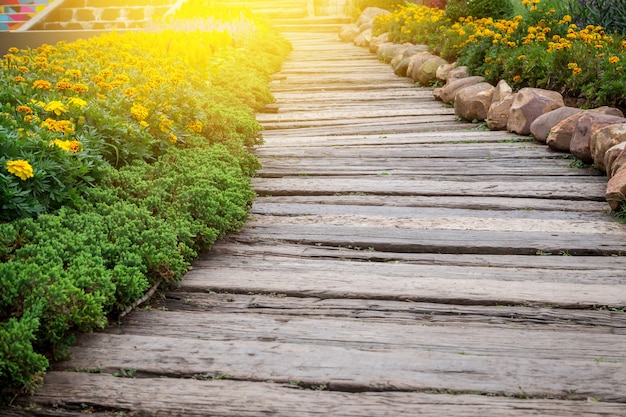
x: 588, y: 124
x: 349, y: 33
x: 406, y: 51
x: 615, y: 159
x: 542, y: 125
x: 401, y: 69
x: 369, y: 14
x: 502, y: 91
x: 377, y: 41
x: 612, y: 111
x: 427, y: 72
x: 529, y: 104
x: 450, y: 89
x: 561, y: 134
x: 498, y: 114
x: 605, y: 138
x: 387, y: 51
x: 457, y: 73
x: 472, y: 102
x: 417, y: 61
x: 444, y: 70
x: 616, y: 190
x: 364, y: 38
x: 365, y: 26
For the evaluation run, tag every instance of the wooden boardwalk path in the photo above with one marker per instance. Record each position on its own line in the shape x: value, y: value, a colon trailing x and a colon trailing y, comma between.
x: 397, y: 262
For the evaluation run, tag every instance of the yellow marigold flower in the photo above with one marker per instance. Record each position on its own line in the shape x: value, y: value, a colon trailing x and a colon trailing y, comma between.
x: 67, y: 145
x: 24, y: 109
x: 533, y: 8
x: 13, y: 50
x: 56, y: 107
x: 614, y: 59
x: 101, y: 96
x: 511, y: 44
x: 138, y: 112
x: 577, y: 71
x: 20, y: 168
x: 80, y: 88
x: 42, y: 84
x: 165, y: 124
x: 130, y: 91
x: 623, y: 44
x: 536, y: 1
x: 195, y: 126
x: 143, y: 123
x: 566, y: 19
x: 172, y: 138
x: 516, y: 78
x: 521, y: 57
x: 525, y: 2
x: 23, y: 69
x: 76, y: 73
x: 77, y: 102
x: 19, y: 79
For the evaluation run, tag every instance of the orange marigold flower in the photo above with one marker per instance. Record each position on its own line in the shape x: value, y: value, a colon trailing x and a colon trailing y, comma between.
x: 24, y: 109
x: 20, y: 168
x: 42, y: 84
x: 74, y: 73
x: 516, y: 78
x: 614, y: 59
x: 63, y: 85
x: 577, y: 71
x: 80, y: 88
x: 19, y: 79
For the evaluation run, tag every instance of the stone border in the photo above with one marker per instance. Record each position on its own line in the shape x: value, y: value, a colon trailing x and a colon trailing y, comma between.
x: 595, y: 136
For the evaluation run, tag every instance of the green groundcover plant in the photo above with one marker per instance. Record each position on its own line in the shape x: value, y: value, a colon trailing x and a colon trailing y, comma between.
x: 121, y: 158
x: 541, y: 46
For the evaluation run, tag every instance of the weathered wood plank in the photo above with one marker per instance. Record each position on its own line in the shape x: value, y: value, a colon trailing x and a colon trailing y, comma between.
x: 458, y: 134
x: 382, y: 329
x: 439, y: 240
x: 270, y: 249
x: 279, y: 167
x: 244, y: 399
x: 577, y: 188
x: 346, y: 368
x: 516, y: 150
x: 444, y: 218
x: 469, y: 202
x: 401, y: 312
x: 424, y: 283
x: 334, y: 114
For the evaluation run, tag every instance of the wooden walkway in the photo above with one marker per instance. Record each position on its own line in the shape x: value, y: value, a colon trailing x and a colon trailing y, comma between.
x: 397, y: 262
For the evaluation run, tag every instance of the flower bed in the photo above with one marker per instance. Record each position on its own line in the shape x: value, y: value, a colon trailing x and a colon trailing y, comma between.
x: 121, y: 158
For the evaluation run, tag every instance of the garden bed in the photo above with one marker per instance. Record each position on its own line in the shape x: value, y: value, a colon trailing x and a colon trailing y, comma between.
x: 122, y: 158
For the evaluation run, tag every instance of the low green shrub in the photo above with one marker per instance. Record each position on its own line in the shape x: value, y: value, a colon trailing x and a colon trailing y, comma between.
x: 152, y: 168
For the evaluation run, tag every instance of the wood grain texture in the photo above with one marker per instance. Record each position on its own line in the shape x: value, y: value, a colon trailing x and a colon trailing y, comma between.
x: 395, y: 263
x: 187, y: 397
